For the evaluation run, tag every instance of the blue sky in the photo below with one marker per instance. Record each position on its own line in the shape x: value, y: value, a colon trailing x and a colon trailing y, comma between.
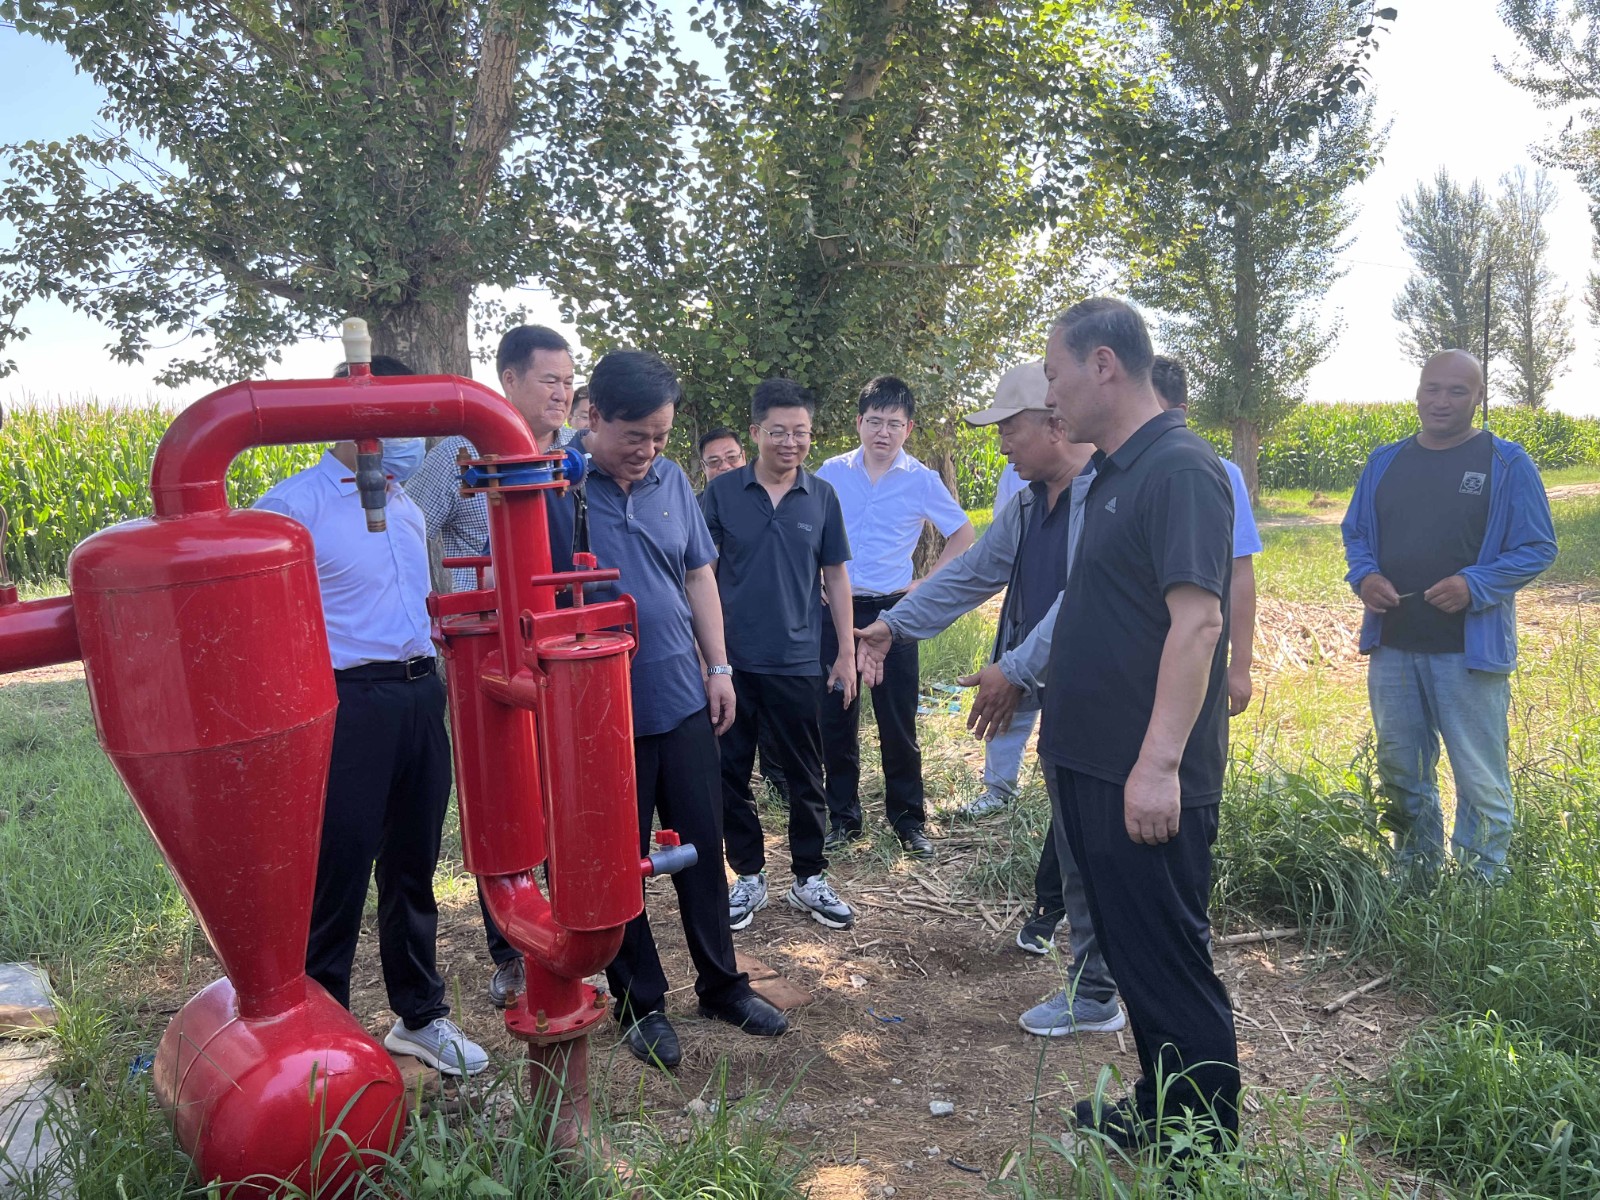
x: 1434, y: 79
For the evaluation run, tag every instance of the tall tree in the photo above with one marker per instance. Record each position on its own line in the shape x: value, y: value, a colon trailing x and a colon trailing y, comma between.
x: 1453, y: 235
x: 1560, y: 40
x: 270, y: 167
x: 1252, y: 248
x: 1538, y: 331
x: 862, y: 186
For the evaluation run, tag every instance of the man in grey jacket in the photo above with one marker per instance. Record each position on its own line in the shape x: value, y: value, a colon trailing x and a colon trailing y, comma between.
x: 1027, y: 551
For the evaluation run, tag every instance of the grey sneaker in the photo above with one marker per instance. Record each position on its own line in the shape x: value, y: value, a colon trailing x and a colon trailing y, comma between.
x: 510, y: 980
x: 814, y: 896
x: 982, y: 806
x: 440, y: 1044
x: 746, y: 898
x: 1061, y: 1015
x: 1038, y: 936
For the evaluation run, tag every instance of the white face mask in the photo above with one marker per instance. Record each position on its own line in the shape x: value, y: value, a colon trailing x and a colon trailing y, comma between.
x: 402, y: 457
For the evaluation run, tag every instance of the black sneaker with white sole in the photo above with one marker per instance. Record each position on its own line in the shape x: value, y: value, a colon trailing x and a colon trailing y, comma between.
x: 1038, y: 936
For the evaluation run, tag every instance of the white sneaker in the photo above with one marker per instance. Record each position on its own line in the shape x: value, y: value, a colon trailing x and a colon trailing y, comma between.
x: 746, y: 898
x: 982, y: 806
x: 815, y: 896
x: 441, y: 1044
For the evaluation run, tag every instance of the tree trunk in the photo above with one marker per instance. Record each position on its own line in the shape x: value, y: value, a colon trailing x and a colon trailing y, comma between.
x: 931, y: 544
x: 429, y: 336
x: 1246, y: 450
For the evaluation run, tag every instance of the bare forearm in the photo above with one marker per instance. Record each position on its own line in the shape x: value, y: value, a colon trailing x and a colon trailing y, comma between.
x: 1181, y: 681
x: 705, y: 614
x: 1242, y: 614
x: 836, y: 585
x: 955, y: 546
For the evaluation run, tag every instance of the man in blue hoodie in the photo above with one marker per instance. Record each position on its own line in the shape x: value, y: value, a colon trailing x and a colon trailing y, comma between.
x: 1444, y: 529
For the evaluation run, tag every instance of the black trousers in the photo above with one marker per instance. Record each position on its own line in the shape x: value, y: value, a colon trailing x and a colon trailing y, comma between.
x: 787, y: 704
x: 500, y: 950
x: 388, y: 787
x: 1047, y: 882
x: 1149, y: 909
x: 894, y: 705
x: 677, y: 775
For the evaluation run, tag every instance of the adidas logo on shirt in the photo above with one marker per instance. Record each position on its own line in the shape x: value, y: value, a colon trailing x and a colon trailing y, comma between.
x: 1111, y: 505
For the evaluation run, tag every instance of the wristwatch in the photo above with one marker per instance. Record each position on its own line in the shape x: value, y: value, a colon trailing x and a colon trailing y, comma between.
x: 720, y: 669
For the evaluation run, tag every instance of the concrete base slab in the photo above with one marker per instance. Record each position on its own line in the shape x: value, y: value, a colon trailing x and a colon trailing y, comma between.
x: 26, y: 1089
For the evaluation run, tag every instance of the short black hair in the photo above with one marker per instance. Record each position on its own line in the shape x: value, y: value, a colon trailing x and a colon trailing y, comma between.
x: 580, y: 395
x: 713, y: 435
x: 382, y: 364
x: 780, y: 393
x: 629, y: 385
x: 518, y: 345
x: 1114, y: 324
x: 1171, y: 380
x: 887, y: 392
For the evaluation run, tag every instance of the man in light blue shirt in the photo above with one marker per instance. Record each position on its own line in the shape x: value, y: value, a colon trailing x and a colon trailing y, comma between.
x: 389, y: 774
x: 1171, y: 381
x: 886, y: 496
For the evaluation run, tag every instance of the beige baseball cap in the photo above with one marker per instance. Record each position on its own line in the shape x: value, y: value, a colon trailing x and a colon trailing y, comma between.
x: 1021, y: 389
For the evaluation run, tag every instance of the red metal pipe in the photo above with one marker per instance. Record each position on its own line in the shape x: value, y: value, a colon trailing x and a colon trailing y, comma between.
x: 38, y: 633
x: 193, y: 458
x: 524, y: 916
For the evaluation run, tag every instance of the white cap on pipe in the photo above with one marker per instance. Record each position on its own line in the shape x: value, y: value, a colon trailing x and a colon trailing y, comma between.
x: 357, y: 341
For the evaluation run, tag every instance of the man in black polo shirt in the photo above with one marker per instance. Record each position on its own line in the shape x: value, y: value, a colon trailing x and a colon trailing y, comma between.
x: 1136, y: 712
x: 777, y: 528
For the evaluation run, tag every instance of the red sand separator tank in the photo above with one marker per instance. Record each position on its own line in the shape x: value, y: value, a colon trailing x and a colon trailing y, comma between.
x: 206, y: 657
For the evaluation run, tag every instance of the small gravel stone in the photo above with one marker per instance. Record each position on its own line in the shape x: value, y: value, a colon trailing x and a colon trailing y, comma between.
x: 941, y: 1108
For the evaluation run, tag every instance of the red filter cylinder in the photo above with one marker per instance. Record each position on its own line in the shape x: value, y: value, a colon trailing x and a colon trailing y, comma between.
x: 207, y: 664
x: 593, y: 816
x: 496, y: 753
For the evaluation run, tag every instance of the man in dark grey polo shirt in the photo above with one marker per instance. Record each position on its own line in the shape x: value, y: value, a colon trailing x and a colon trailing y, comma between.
x: 1136, y: 714
x: 643, y: 520
x: 778, y: 529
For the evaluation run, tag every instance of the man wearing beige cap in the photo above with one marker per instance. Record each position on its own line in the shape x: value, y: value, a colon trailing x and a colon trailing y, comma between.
x: 1026, y: 551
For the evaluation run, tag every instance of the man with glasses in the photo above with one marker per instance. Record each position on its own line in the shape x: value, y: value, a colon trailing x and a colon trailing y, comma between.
x: 886, y: 496
x: 720, y: 452
x: 778, y: 529
x: 535, y: 371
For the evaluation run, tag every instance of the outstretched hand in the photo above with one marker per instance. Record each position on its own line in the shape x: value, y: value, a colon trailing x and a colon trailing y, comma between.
x: 994, y: 705
x: 872, y: 647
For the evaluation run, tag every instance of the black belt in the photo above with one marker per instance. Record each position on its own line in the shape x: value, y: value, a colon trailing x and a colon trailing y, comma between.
x: 877, y: 601
x: 378, y: 672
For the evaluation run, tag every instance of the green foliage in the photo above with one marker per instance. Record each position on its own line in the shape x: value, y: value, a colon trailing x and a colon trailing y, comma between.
x: 1538, y: 334
x: 979, y: 465
x: 1251, y: 248
x: 1324, y: 446
x: 894, y: 186
x: 268, y: 168
x: 1492, y: 1104
x: 960, y: 650
x: 74, y: 469
x: 1577, y: 522
x: 1454, y: 237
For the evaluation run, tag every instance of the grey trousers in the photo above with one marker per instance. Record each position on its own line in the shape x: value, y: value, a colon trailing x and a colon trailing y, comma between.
x: 1089, y: 976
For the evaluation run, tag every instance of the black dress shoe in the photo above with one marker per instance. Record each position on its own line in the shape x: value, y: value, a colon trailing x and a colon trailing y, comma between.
x: 750, y: 1013
x: 915, y: 843
x: 652, y: 1040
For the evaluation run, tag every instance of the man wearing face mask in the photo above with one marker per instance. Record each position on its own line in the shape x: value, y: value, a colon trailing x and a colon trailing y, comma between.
x: 389, y: 773
x: 535, y: 372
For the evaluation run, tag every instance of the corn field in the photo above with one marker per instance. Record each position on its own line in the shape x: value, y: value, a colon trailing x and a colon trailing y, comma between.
x: 70, y: 470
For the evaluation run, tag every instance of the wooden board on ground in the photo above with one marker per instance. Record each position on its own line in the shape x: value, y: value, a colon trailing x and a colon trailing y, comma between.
x: 27, y: 1007
x: 780, y: 993
x: 753, y: 967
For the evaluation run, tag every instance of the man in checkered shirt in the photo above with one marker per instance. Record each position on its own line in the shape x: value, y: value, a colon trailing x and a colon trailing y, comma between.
x: 534, y: 365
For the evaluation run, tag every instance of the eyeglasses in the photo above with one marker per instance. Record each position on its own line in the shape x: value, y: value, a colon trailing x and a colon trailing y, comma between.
x: 877, y: 424
x: 787, y: 437
x: 733, y: 458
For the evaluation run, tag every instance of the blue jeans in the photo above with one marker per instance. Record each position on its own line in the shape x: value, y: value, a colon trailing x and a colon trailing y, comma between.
x: 1417, y: 699
x: 1002, y: 757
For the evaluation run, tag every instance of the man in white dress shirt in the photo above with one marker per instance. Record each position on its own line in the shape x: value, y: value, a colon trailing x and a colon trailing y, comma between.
x: 389, y: 776
x: 886, y: 496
